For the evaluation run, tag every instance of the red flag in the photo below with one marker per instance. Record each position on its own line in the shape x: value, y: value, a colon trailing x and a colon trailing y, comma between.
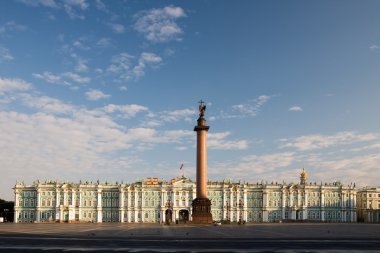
x: 181, y: 167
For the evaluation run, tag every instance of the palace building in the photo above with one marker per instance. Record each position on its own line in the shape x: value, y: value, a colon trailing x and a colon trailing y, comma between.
x: 368, y: 205
x: 153, y: 200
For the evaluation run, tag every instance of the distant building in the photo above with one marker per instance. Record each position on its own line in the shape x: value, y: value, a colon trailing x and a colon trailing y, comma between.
x: 153, y: 200
x: 368, y: 205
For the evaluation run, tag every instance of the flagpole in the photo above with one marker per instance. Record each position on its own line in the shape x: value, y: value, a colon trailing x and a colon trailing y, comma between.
x: 183, y: 171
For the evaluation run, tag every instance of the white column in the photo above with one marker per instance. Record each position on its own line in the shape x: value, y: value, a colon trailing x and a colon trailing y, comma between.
x: 38, y: 205
x: 283, y: 205
x: 305, y: 207
x: 305, y: 199
x: 245, y: 206
x: 80, y: 204
x: 65, y: 197
x: 15, y: 219
x: 121, y: 205
x: 57, y: 209
x: 163, y: 201
x: 299, y: 198
x: 99, y: 207
x: 322, y: 205
x: 137, y: 208
x: 265, y: 199
x: 290, y: 199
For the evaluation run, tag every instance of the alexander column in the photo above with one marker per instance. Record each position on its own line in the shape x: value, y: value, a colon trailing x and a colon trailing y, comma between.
x: 201, y: 205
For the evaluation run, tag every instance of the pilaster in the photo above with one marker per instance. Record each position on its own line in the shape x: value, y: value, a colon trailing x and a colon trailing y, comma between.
x: 99, y: 208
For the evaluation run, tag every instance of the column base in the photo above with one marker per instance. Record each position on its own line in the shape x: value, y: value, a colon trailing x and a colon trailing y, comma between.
x: 201, y: 211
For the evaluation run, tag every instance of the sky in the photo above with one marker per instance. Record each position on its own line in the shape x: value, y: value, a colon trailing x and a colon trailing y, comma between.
x: 109, y: 90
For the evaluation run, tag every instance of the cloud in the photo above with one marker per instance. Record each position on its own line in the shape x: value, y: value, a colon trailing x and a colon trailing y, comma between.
x: 121, y: 65
x: 47, y: 104
x: 117, y: 28
x: 217, y: 141
x: 374, y: 48
x: 81, y: 65
x: 80, y: 44
x: 12, y: 84
x: 295, y: 109
x: 317, y: 141
x: 100, y: 5
x: 64, y: 78
x: 144, y: 60
x: 82, y: 4
x: 96, y: 95
x: 11, y: 26
x: 249, y: 109
x: 159, y: 25
x: 69, y: 6
x: 48, y: 77
x: 44, y: 3
x: 177, y: 115
x: 76, y: 78
x: 123, y: 88
x: 124, y: 66
x: 103, y: 42
x: 126, y: 111
x: 5, y: 54
x: 49, y: 145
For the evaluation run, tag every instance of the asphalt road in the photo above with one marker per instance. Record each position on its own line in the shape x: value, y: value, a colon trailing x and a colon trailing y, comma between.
x: 189, y: 238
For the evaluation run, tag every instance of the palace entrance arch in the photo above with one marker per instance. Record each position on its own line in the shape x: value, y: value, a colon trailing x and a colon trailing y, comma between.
x: 183, y: 215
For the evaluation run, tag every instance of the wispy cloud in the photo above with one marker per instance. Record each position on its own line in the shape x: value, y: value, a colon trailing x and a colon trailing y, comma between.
x: 103, y: 42
x: 121, y: 64
x: 117, y: 28
x: 5, y: 54
x: 126, y: 67
x: 144, y: 60
x: 71, y: 7
x: 13, y: 84
x: 295, y: 108
x: 48, y: 77
x: 374, y: 47
x: 317, y: 141
x: 45, y: 3
x: 77, y: 78
x: 126, y: 111
x: 96, y: 95
x: 218, y: 141
x: 11, y: 26
x: 159, y: 25
x: 47, y: 104
x: 243, y: 110
x: 251, y: 109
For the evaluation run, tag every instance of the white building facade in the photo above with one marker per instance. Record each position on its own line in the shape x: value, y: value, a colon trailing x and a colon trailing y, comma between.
x: 368, y: 205
x: 153, y: 201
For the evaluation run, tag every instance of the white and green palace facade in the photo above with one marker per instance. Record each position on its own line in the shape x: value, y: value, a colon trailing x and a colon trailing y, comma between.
x: 154, y: 200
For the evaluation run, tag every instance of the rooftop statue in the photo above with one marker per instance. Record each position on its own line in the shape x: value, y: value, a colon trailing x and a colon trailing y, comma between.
x: 202, y: 108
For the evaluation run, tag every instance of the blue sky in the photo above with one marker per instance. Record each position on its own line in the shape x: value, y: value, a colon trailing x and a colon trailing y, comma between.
x: 109, y: 89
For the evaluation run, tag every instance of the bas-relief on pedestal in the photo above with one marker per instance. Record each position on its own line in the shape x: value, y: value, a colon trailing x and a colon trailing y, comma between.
x: 201, y: 205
